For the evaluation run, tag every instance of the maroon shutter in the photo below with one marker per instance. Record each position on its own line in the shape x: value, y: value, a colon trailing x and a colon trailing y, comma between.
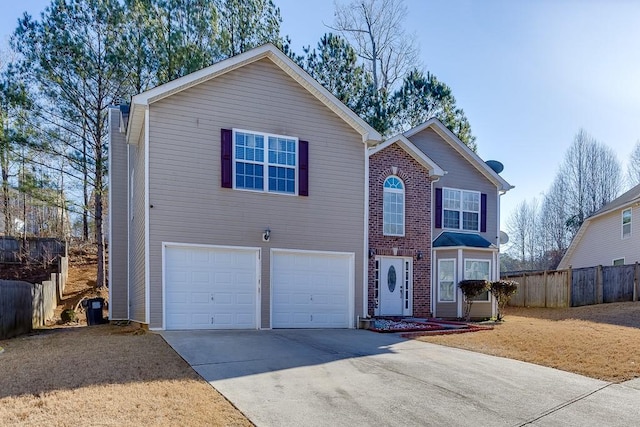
x: 303, y: 168
x: 226, y: 164
x: 483, y: 213
x: 438, y: 207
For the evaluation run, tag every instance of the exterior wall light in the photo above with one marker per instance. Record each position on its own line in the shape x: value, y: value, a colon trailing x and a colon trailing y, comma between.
x: 372, y: 252
x: 266, y: 235
x: 419, y: 255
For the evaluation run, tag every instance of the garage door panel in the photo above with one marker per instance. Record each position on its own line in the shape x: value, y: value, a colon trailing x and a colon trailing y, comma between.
x: 311, y: 289
x: 211, y: 288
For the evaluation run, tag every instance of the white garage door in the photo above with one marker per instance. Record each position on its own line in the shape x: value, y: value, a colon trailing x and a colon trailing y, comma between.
x: 311, y: 289
x: 210, y: 288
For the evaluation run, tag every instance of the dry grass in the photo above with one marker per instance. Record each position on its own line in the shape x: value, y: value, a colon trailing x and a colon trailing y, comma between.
x: 104, y: 375
x: 601, y: 341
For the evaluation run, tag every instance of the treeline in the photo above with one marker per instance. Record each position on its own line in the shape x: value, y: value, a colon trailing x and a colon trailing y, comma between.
x: 589, y: 177
x: 66, y: 67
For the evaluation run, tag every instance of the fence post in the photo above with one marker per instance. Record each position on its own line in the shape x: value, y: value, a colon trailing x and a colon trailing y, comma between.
x: 546, y: 290
x: 524, y: 288
x: 569, y: 286
x: 636, y: 273
x: 599, y: 285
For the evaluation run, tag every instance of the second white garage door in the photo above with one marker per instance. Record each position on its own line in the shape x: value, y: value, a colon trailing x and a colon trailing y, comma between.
x: 311, y: 289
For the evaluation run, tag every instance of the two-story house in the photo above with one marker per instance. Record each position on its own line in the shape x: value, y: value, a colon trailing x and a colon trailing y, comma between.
x: 246, y: 196
x: 610, y: 236
x: 238, y: 201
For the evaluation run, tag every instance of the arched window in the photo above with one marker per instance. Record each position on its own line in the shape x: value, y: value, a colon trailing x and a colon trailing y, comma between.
x: 393, y: 207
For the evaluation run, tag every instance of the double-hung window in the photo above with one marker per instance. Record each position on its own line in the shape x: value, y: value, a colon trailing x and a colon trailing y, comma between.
x: 265, y: 162
x: 461, y: 209
x: 626, y: 223
x: 446, y: 280
x: 477, y: 269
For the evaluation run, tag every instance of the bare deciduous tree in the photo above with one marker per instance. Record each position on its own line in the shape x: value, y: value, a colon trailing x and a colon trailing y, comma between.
x: 523, y: 231
x: 376, y: 29
x: 592, y: 176
x: 633, y: 167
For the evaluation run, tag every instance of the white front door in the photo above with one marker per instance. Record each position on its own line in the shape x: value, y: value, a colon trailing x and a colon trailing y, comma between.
x: 394, y: 281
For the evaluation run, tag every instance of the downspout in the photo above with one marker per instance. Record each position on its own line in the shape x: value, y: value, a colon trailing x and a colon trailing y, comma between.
x: 147, y: 269
x: 365, y: 249
x: 434, y: 283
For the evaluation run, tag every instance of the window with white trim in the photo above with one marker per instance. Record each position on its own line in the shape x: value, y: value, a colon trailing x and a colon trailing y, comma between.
x: 626, y: 223
x: 265, y: 162
x: 447, y: 280
x: 478, y: 269
x: 619, y: 261
x: 393, y: 207
x: 461, y: 209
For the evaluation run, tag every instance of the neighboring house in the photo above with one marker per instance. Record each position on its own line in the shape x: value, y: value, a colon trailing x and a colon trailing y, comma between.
x: 42, y: 216
x: 434, y: 221
x: 238, y: 200
x: 611, y: 236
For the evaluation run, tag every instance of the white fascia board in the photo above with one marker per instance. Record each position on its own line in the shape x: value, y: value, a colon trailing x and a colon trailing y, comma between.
x: 369, y: 135
x: 465, y: 151
x: 413, y: 151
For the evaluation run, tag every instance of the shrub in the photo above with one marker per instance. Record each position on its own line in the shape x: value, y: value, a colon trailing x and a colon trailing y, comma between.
x: 68, y: 315
x: 502, y: 290
x: 471, y: 289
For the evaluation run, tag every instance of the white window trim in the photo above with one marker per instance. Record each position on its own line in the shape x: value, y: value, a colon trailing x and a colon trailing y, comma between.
x: 404, y: 204
x: 455, y: 285
x: 464, y: 268
x: 265, y: 162
x: 462, y: 210
x: 622, y: 224
x: 613, y: 262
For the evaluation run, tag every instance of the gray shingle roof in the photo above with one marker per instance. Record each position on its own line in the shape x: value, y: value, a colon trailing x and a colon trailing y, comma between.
x: 628, y: 197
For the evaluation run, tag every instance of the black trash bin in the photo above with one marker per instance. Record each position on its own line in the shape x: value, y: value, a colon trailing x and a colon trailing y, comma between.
x: 93, y: 309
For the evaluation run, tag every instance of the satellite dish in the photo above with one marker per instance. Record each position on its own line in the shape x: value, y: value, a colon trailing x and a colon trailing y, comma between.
x: 504, y: 238
x: 495, y: 165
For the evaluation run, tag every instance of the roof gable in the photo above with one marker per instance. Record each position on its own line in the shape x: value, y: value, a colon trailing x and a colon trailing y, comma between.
x: 620, y: 203
x: 471, y: 157
x: 413, y: 151
x: 140, y: 102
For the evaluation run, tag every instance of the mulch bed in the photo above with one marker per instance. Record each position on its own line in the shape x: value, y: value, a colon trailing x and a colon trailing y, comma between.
x: 414, y: 328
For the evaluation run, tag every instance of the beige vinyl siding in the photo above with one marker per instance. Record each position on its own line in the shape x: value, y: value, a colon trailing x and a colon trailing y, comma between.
x: 189, y: 205
x: 137, y: 230
x: 460, y: 175
x: 602, y: 241
x: 118, y: 218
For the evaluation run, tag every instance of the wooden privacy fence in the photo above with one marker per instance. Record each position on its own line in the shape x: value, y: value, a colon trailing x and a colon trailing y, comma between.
x: 576, y: 287
x: 16, y: 306
x: 24, y: 306
x: 32, y: 249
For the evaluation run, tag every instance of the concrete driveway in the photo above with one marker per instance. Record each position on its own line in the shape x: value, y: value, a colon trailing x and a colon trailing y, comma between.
x: 358, y: 378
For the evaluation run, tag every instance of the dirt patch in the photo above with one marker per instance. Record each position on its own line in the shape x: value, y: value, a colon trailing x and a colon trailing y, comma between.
x: 600, y: 341
x: 104, y: 375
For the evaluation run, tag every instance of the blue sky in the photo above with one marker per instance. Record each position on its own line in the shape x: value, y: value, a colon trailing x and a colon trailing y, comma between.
x: 529, y: 74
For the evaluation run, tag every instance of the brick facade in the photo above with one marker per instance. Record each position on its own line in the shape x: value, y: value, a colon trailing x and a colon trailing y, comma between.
x: 393, y: 160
